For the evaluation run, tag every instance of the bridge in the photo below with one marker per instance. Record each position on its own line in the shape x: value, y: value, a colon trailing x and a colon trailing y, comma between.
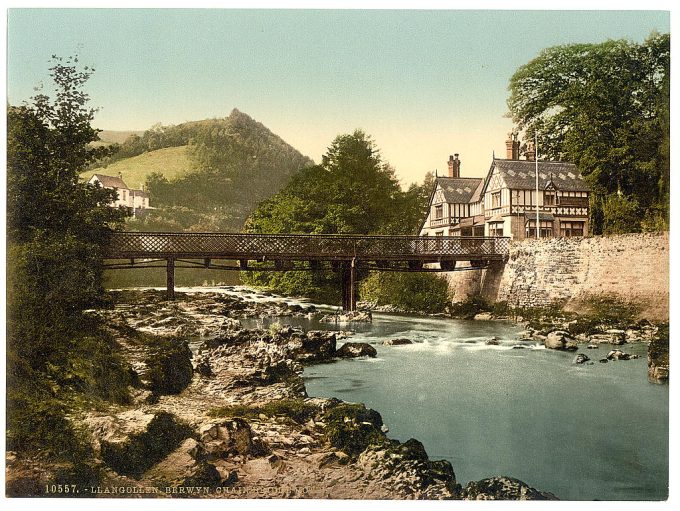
x: 300, y: 252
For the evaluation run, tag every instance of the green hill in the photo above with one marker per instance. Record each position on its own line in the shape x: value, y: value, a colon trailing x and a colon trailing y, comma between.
x: 202, y: 175
x: 172, y: 162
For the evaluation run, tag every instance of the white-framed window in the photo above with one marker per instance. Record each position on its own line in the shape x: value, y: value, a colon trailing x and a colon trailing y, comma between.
x: 546, y: 229
x: 496, y: 229
x: 495, y: 200
x: 439, y: 212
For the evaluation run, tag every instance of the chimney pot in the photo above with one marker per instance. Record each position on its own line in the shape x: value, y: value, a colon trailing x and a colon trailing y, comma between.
x: 454, y: 165
x: 512, y: 146
x: 531, y: 152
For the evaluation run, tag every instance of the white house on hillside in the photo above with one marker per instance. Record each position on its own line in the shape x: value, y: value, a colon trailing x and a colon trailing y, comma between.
x: 136, y: 200
x: 504, y: 203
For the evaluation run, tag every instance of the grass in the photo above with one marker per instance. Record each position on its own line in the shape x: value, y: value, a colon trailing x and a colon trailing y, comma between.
x: 171, y: 162
x: 296, y: 409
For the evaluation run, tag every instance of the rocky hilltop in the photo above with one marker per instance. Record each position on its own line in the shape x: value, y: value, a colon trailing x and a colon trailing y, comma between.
x: 222, y: 411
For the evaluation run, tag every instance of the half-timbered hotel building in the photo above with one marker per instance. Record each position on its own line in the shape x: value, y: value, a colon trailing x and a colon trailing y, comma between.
x: 504, y: 202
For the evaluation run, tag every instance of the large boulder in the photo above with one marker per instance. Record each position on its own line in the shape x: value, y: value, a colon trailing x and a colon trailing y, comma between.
x: 409, y: 468
x: 356, y: 349
x: 316, y: 345
x: 560, y: 340
x: 503, y: 488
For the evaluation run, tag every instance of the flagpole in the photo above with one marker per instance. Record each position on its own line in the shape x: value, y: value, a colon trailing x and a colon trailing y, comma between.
x: 538, y: 223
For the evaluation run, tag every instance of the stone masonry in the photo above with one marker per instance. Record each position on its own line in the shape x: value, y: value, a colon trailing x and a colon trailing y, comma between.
x: 631, y: 267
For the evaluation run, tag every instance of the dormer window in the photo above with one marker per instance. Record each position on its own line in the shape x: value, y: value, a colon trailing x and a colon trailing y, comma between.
x: 549, y: 198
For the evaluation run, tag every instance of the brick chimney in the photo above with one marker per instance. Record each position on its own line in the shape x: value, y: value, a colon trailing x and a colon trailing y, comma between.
x: 454, y: 166
x: 530, y: 152
x: 512, y: 146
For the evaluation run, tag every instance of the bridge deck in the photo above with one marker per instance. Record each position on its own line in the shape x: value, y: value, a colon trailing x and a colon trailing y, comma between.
x: 300, y: 247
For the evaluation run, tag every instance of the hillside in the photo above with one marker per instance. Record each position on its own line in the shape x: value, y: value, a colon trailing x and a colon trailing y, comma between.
x: 170, y: 161
x: 109, y: 137
x: 203, y: 175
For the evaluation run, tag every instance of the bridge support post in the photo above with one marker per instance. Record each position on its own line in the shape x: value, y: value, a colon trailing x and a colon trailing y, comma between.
x: 170, y: 279
x: 349, y: 278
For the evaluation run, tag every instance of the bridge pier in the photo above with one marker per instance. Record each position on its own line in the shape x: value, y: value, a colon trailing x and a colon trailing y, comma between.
x: 349, y: 278
x: 170, y: 278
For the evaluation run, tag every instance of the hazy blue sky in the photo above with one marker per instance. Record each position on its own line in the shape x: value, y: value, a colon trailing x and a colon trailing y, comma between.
x: 424, y: 84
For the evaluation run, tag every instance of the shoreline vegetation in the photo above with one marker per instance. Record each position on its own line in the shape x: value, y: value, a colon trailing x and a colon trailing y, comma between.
x: 211, y: 409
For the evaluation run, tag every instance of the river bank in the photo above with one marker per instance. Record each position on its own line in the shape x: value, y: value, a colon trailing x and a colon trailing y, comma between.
x: 218, y: 410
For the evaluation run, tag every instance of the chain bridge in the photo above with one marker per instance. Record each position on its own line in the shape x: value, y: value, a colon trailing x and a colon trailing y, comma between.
x: 344, y: 254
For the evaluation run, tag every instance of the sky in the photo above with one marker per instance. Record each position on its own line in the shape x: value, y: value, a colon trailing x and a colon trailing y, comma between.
x: 423, y: 84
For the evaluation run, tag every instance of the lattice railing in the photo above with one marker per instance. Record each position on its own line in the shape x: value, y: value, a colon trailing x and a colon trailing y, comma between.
x: 297, y: 246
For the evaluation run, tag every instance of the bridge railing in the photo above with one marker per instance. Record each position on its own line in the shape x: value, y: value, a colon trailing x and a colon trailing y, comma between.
x: 300, y: 246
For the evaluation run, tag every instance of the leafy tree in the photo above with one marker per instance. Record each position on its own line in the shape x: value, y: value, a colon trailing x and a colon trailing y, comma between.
x: 352, y: 191
x: 605, y: 108
x: 57, y: 227
x: 618, y: 211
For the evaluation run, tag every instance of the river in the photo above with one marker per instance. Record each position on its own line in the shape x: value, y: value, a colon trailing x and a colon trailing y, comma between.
x: 582, y: 432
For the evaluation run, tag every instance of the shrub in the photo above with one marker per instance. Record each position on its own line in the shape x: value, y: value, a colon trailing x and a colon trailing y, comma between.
x: 422, y: 292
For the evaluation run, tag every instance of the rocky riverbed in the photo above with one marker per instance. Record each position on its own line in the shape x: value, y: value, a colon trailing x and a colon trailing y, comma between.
x: 218, y: 410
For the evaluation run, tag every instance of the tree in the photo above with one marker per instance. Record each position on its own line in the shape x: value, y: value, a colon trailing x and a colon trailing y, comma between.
x: 601, y: 106
x: 57, y: 227
x: 352, y: 191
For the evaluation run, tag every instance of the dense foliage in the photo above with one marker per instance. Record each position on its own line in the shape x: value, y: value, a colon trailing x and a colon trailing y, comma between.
x: 605, y: 107
x: 352, y: 191
x: 56, y: 229
x: 236, y: 162
x: 420, y: 292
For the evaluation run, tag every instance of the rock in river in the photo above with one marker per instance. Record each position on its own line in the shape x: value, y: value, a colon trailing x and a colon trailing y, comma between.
x: 356, y: 349
x: 618, y: 355
x: 397, y: 342
x: 581, y: 359
x: 560, y: 340
x: 503, y: 488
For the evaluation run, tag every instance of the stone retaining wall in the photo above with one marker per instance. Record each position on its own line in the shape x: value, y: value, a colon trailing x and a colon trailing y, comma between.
x: 630, y: 267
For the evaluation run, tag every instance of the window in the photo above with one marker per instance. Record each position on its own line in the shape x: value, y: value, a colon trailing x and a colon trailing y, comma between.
x: 546, y: 229
x: 495, y: 200
x: 438, y: 212
x: 496, y: 229
x: 549, y: 198
x: 569, y: 229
